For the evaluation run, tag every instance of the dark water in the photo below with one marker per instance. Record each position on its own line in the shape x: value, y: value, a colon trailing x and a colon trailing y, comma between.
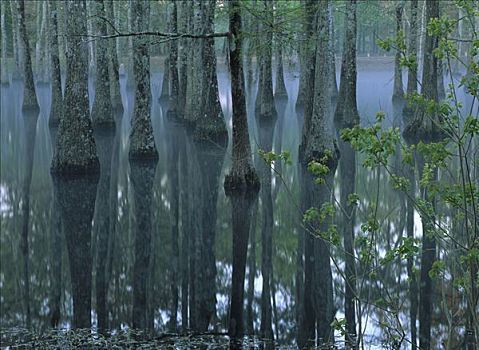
x: 145, y: 245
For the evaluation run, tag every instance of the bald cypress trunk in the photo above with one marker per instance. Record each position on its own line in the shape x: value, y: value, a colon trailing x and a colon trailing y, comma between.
x: 185, y: 9
x: 412, y: 53
x: 30, y: 110
x: 194, y: 65
x: 173, y: 60
x: 75, y: 151
x: 242, y: 183
x: 102, y: 110
x: 423, y: 127
x: 17, y: 45
x: 347, y: 116
x: 210, y: 124
x: 280, y: 90
x: 398, y: 90
x: 113, y: 66
x: 317, y: 145
x: 4, y: 72
x: 334, y: 83
x: 242, y: 174
x: 142, y: 141
x: 56, y: 111
x: 30, y: 105
x: 165, y: 86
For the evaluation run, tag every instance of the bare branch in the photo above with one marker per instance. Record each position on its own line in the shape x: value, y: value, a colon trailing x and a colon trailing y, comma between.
x: 170, y: 36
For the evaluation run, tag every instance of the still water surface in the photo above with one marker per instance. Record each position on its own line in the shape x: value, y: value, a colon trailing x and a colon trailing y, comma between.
x: 160, y: 245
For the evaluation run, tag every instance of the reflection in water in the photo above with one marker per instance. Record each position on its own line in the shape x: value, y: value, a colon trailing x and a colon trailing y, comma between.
x: 76, y: 198
x: 142, y: 174
x: 104, y: 139
x: 167, y: 253
x: 210, y: 161
x: 56, y: 252
x: 241, y: 205
x: 30, y: 117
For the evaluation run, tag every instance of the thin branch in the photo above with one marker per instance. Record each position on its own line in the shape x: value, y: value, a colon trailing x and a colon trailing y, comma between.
x: 161, y: 34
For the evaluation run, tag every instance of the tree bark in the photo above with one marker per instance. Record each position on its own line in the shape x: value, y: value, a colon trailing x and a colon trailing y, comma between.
x: 317, y: 145
x: 56, y: 111
x: 113, y: 65
x: 75, y: 151
x: 173, y: 60
x: 242, y: 174
x: 398, y: 90
x: 102, y: 110
x: 142, y: 141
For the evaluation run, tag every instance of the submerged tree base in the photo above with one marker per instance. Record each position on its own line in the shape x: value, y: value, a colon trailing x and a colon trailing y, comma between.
x: 90, y: 167
x: 245, y: 181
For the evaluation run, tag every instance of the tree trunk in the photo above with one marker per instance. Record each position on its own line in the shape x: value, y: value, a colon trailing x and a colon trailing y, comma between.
x: 266, y: 131
x: 173, y: 60
x: 75, y: 151
x: 423, y: 127
x: 210, y: 124
x: 113, y: 65
x: 317, y: 145
x: 142, y: 141
x: 30, y: 104
x: 280, y: 90
x: 17, y: 45
x: 334, y: 83
x: 398, y: 90
x: 56, y: 111
x: 242, y: 174
x: 102, y: 110
x: 4, y: 72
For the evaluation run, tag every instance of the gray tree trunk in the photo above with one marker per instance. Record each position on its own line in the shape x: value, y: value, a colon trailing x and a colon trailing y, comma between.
x: 113, y: 65
x: 4, y: 69
x: 56, y: 111
x: 317, y: 144
x: 242, y: 173
x: 280, y: 90
x: 423, y: 127
x: 347, y: 116
x: 75, y: 151
x: 30, y: 105
x: 102, y: 110
x: 183, y: 56
x: 142, y: 141
x: 173, y: 60
x: 194, y: 65
x: 334, y: 83
x: 210, y: 124
x: 17, y: 45
x: 30, y: 110
x: 412, y: 47
x: 398, y: 89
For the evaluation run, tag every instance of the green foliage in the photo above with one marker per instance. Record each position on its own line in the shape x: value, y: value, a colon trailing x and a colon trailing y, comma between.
x: 269, y: 157
x: 375, y: 143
